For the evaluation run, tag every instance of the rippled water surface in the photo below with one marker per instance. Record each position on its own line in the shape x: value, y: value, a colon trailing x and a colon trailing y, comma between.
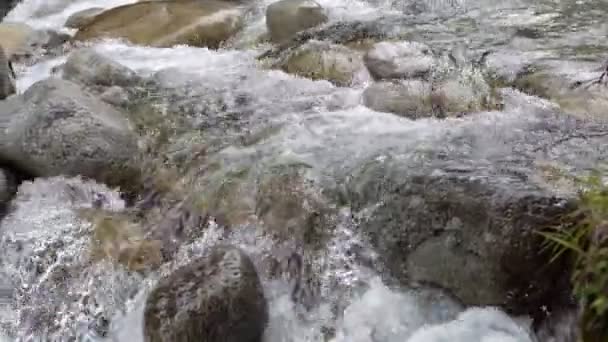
x: 323, y: 118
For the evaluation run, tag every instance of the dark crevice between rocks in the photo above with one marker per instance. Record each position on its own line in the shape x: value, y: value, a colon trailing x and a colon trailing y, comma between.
x: 18, y: 176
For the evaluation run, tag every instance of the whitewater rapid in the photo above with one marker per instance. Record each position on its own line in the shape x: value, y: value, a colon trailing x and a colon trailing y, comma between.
x: 379, y: 313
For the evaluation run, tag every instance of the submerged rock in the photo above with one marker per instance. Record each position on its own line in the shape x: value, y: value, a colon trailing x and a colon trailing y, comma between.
x: 285, y: 18
x: 217, y: 297
x: 57, y: 128
x: 83, y: 18
x: 322, y: 61
x: 7, y: 76
x: 386, y: 60
x: 167, y: 23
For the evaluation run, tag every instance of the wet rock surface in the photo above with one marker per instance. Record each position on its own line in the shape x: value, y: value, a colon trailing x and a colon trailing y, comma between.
x: 285, y: 18
x: 322, y: 61
x: 166, y: 23
x: 447, y: 205
x: 57, y: 128
x: 217, y: 297
x: 92, y: 69
x: 387, y: 60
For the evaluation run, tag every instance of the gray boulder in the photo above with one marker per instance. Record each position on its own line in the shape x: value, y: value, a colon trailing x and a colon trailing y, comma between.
x: 57, y: 128
x: 216, y: 298
x: 7, y: 76
x: 468, y: 205
x: 92, y: 69
x: 285, y: 18
x: 386, y: 60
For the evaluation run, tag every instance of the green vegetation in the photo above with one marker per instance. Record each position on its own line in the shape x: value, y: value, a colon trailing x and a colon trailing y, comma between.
x: 584, y: 239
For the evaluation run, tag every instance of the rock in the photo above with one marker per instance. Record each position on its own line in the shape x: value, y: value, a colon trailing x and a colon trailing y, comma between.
x: 14, y: 37
x: 167, y: 23
x: 285, y: 18
x: 322, y: 61
x: 92, y: 69
x: 415, y: 99
x: 7, y: 76
x: 573, y: 85
x: 411, y: 99
x: 463, y: 95
x: 57, y: 128
x: 22, y: 41
x: 217, y: 297
x: 387, y: 60
x: 468, y: 205
x: 116, y: 96
x: 349, y: 33
x: 83, y: 18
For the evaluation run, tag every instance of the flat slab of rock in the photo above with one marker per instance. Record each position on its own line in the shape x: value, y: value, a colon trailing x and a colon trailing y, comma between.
x: 167, y: 23
x: 56, y: 128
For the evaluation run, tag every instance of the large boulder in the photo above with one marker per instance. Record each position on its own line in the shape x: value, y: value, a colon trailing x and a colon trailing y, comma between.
x: 83, y: 18
x: 386, y: 60
x: 167, y: 23
x: 469, y: 204
x: 285, y: 18
x: 7, y: 76
x: 216, y: 298
x: 57, y: 128
x: 90, y: 68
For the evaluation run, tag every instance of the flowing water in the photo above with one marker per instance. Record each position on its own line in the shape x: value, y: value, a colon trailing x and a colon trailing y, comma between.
x: 43, y: 231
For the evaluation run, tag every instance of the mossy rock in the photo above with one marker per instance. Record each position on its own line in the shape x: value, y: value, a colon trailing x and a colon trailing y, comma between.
x: 323, y: 61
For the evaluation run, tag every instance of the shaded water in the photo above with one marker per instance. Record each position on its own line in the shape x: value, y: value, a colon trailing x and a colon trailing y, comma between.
x: 327, y: 127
